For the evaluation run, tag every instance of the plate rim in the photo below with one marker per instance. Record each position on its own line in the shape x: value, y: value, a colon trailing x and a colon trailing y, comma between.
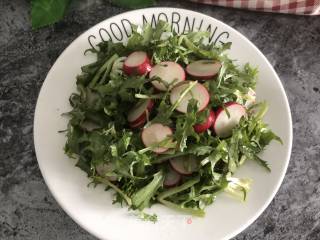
x: 283, y: 171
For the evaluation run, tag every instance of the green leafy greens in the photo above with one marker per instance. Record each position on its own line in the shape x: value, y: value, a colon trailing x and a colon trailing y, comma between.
x: 113, y: 154
x: 46, y: 12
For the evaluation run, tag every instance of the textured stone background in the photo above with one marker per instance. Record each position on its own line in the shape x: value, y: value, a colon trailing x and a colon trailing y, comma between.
x: 27, y: 209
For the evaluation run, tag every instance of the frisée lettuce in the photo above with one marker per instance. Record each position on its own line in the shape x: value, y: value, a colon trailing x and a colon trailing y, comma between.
x: 165, y: 153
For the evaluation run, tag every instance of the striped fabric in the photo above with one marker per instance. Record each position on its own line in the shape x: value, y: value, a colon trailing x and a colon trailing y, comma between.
x: 308, y: 7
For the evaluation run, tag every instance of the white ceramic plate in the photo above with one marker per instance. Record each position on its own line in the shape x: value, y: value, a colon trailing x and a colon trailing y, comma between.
x: 92, y: 208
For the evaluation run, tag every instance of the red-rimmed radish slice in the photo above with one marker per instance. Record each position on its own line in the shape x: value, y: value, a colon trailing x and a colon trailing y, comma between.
x: 224, y: 124
x: 104, y: 168
x: 155, y: 133
x: 138, y: 124
x: 139, y: 111
x: 168, y: 72
x: 172, y: 178
x: 202, y: 127
x: 198, y: 92
x: 184, y: 165
x: 137, y: 63
x: 203, y: 69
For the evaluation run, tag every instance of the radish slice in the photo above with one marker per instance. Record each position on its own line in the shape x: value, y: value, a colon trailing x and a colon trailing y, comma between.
x: 198, y: 92
x: 140, y: 111
x: 168, y: 72
x: 138, y: 124
x: 172, y: 178
x: 154, y: 134
x: 203, y: 69
x: 137, y: 63
x: 184, y: 165
x: 104, y: 168
x: 202, y: 127
x: 223, y: 125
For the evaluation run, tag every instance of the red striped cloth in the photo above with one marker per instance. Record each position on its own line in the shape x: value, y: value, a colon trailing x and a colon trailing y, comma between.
x: 308, y: 7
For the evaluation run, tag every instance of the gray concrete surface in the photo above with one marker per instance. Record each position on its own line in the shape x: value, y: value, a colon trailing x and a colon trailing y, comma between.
x: 27, y: 209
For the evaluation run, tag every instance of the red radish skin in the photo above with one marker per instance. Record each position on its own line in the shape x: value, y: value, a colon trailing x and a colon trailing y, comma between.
x: 139, y: 111
x: 198, y: 92
x: 154, y: 134
x: 203, y: 69
x: 168, y: 72
x: 223, y: 125
x: 202, y: 127
x: 172, y: 178
x: 179, y: 165
x: 138, y: 124
x: 137, y: 63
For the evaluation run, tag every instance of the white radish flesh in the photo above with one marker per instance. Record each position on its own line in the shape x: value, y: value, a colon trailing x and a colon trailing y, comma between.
x: 198, y: 92
x: 169, y: 72
x: 184, y: 165
x: 172, y: 178
x: 224, y: 124
x: 154, y: 134
x: 140, y: 111
x: 137, y: 63
x: 203, y: 69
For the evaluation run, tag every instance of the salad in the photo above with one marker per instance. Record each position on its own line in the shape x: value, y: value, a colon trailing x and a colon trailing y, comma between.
x: 166, y: 118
